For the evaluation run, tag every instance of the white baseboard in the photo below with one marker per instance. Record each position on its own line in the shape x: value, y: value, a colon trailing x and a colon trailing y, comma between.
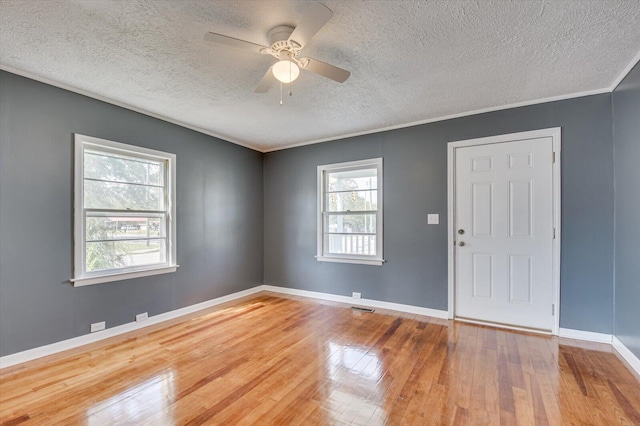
x: 42, y: 351
x: 632, y: 360
x: 54, y: 348
x: 589, y: 336
x: 360, y: 302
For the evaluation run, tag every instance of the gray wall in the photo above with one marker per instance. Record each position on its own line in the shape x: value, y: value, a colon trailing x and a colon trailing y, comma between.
x: 219, y: 202
x: 415, y: 174
x: 626, y: 130
x: 221, y: 248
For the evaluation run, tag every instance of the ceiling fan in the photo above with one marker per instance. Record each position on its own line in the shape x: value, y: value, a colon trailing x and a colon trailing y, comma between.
x: 285, y: 44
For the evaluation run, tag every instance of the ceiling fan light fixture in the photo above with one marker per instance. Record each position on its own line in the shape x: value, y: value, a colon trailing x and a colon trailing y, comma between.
x: 285, y: 71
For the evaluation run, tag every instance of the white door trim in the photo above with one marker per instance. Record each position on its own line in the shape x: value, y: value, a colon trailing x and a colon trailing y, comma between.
x: 555, y: 133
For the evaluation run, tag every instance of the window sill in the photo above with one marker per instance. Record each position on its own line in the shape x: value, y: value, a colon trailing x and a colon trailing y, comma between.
x: 376, y: 262
x: 79, y: 282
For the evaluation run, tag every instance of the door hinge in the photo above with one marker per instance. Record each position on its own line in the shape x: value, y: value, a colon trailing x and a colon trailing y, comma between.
x: 554, y: 157
x: 553, y: 310
x: 554, y: 233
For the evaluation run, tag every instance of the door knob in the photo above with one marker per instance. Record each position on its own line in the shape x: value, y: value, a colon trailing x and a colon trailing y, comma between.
x: 461, y: 243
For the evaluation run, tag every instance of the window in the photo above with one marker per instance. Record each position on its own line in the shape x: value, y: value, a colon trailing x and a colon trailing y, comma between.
x: 350, y: 212
x: 124, y: 220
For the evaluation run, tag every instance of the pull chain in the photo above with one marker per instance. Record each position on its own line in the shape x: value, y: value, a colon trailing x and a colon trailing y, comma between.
x: 290, y: 82
x: 290, y: 79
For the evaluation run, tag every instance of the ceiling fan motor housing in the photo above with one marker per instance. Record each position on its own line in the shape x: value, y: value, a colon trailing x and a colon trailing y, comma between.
x: 279, y: 39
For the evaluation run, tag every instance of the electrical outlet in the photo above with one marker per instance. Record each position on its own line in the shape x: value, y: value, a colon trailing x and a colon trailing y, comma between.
x: 356, y: 295
x: 141, y: 317
x: 97, y: 326
x: 433, y: 219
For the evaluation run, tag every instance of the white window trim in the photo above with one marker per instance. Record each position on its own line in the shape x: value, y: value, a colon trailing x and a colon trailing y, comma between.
x: 80, y: 277
x: 357, y: 259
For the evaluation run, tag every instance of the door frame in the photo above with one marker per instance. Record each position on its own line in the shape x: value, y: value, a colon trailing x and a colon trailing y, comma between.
x: 556, y: 134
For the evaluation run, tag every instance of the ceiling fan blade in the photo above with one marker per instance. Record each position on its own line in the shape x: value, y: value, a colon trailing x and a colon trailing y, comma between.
x: 315, y: 18
x: 233, y: 42
x: 326, y: 70
x: 266, y: 82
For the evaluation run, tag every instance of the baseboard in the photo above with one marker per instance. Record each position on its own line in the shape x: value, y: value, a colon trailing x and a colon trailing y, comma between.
x: 627, y: 355
x: 361, y: 302
x: 589, y: 336
x: 54, y: 348
x: 42, y: 351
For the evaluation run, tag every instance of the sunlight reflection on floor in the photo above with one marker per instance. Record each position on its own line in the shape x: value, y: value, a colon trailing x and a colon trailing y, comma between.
x: 137, y: 404
x: 354, y: 374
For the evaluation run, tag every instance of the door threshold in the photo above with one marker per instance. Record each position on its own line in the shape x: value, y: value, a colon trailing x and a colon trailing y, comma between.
x: 502, y: 325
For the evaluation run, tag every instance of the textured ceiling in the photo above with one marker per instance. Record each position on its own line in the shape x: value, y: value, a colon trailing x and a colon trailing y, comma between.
x: 410, y: 60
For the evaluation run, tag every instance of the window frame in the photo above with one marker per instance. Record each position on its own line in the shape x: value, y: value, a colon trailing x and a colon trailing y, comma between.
x: 80, y: 276
x: 322, y: 172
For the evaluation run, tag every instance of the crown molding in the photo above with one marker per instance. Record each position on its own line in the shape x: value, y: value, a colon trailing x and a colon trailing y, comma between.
x: 263, y: 150
x: 625, y: 72
x: 446, y: 117
x: 610, y: 89
x: 124, y: 105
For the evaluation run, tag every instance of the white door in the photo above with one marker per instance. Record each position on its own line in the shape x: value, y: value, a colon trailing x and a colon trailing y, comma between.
x: 504, y: 218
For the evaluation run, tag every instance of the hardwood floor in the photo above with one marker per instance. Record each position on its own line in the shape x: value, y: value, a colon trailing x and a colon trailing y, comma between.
x: 275, y: 360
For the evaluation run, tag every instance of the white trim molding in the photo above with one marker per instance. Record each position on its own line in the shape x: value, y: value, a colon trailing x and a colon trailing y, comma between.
x: 64, y: 345
x: 619, y: 348
x: 246, y: 144
x: 588, y: 336
x: 166, y: 215
x: 79, y: 282
x: 324, y: 213
x: 105, y: 99
x: 625, y: 72
x: 445, y: 118
x: 54, y: 348
x: 556, y: 134
x: 57, y: 347
x: 343, y: 260
x: 372, y: 303
x: 627, y: 355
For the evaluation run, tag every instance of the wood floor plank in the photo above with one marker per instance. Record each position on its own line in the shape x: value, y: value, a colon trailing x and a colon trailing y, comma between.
x: 269, y: 359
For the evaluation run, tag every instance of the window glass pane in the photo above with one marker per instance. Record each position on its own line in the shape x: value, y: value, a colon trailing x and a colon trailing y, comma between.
x: 120, y: 254
x: 352, y: 179
x: 352, y: 201
x: 122, y: 196
x: 350, y: 244
x: 352, y: 223
x: 103, y: 227
x: 122, y: 168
